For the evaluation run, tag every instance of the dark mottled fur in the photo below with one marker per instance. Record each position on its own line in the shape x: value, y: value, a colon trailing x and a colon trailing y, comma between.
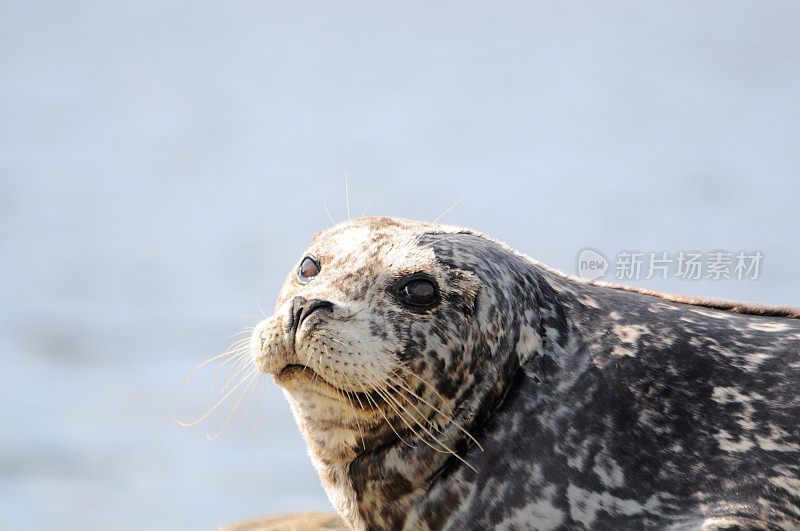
x: 746, y: 308
x: 596, y: 407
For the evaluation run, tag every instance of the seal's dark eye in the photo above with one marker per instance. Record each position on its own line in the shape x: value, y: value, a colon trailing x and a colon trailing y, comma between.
x: 309, y: 268
x: 420, y: 293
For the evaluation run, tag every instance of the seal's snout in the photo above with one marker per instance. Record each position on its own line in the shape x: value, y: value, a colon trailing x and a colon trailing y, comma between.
x: 271, y: 345
x: 301, y: 308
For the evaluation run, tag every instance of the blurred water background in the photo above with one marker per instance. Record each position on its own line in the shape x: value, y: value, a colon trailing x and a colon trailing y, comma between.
x: 164, y: 164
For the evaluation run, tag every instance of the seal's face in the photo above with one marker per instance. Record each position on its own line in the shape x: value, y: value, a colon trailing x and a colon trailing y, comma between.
x: 370, y: 336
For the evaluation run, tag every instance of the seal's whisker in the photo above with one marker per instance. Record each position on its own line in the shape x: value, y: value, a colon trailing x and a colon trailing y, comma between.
x: 249, y: 379
x: 240, y: 368
x: 350, y: 316
x: 238, y: 349
x: 409, y: 415
x: 364, y: 213
x: 236, y: 363
x: 347, y: 195
x: 204, y: 363
x: 246, y: 419
x: 245, y: 330
x: 258, y: 305
x: 319, y: 363
x: 423, y: 380
x: 207, y: 413
x: 440, y: 237
x: 306, y: 363
x: 428, y: 421
x: 399, y: 414
x: 260, y: 389
x: 309, y: 359
x: 416, y: 240
x: 380, y: 410
x: 439, y: 240
x: 358, y: 425
x: 247, y: 406
x: 238, y: 343
x: 392, y: 399
x: 228, y: 351
x: 440, y: 216
x: 337, y: 341
x: 234, y: 360
x: 402, y: 412
x: 355, y: 394
x: 447, y: 448
x: 328, y: 212
x: 239, y: 346
x: 448, y: 418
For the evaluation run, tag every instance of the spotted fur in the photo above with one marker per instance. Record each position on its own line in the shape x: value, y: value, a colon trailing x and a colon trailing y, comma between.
x: 565, y: 405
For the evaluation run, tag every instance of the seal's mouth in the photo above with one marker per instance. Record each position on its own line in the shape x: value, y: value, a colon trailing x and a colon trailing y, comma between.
x: 366, y: 401
x: 296, y: 369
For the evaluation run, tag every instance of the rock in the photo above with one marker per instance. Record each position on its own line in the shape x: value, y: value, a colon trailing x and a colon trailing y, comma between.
x: 287, y: 522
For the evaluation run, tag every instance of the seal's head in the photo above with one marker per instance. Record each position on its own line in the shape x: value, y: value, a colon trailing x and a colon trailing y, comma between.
x: 392, y: 332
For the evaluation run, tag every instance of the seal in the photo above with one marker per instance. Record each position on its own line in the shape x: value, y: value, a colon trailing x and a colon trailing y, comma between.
x: 442, y: 380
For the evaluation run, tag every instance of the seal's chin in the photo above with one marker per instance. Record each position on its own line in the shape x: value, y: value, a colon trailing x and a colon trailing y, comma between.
x: 296, y: 376
x: 301, y: 378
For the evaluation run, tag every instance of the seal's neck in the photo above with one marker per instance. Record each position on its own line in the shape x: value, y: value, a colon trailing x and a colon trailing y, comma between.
x: 379, y: 489
x: 375, y: 489
x: 389, y: 483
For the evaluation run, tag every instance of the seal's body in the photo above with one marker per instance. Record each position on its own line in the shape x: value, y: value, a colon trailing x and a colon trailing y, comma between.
x: 442, y: 380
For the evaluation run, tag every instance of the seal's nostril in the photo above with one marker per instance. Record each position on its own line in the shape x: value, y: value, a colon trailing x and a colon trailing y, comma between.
x: 302, y: 308
x: 312, y: 305
x: 295, y: 310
